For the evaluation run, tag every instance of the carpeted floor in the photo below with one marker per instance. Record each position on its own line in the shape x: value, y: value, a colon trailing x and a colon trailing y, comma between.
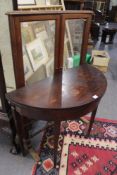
x: 78, y: 155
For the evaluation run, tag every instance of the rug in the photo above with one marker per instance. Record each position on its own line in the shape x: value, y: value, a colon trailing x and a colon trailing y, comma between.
x: 78, y: 155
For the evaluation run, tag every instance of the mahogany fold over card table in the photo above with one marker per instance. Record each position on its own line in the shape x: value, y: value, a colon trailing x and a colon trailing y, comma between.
x: 68, y: 95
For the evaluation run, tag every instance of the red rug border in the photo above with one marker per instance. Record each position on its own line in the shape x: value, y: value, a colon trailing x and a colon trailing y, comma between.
x: 87, y: 117
x: 102, y: 119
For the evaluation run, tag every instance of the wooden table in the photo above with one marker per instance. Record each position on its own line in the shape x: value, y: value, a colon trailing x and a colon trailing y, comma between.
x: 66, y: 96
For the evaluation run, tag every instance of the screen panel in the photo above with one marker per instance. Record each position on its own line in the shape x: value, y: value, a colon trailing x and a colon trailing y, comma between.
x: 38, y: 43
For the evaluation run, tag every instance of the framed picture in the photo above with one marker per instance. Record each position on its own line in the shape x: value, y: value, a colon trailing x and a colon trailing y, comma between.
x: 50, y: 67
x: 43, y: 36
x: 49, y: 45
x: 76, y: 28
x: 26, y: 2
x: 37, y: 53
x: 38, y: 27
x: 28, y: 71
x: 27, y: 32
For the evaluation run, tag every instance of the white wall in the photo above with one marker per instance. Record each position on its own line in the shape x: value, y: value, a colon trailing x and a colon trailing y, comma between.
x: 113, y: 3
x: 5, y: 48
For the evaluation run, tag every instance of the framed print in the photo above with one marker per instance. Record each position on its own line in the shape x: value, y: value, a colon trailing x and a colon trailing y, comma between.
x: 50, y: 28
x: 76, y: 27
x: 37, y: 53
x: 26, y: 2
x: 27, y: 32
x: 50, y: 67
x: 38, y: 27
x: 43, y: 36
x: 28, y: 71
x: 49, y: 45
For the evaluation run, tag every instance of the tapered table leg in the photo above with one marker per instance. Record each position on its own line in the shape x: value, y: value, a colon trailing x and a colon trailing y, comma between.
x: 27, y: 141
x: 57, y: 132
x: 18, y: 123
x: 15, y: 148
x: 91, y: 122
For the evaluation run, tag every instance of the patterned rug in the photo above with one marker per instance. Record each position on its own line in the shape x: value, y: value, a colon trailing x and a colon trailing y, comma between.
x: 77, y: 155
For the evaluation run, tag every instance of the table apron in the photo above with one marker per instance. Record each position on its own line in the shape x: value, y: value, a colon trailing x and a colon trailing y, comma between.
x: 57, y: 114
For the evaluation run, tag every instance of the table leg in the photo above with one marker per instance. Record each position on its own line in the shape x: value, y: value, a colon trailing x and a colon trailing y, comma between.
x: 91, y: 122
x: 18, y: 123
x: 15, y: 148
x: 57, y: 132
x: 27, y: 141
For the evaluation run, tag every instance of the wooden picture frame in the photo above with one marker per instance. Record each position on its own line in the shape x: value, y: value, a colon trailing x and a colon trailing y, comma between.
x: 37, y: 53
x: 26, y: 2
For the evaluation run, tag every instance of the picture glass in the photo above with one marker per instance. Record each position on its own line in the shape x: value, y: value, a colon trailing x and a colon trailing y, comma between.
x: 38, y: 41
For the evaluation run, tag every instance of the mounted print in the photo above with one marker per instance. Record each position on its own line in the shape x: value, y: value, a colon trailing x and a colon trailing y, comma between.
x: 26, y: 2
x: 38, y: 27
x: 27, y: 32
x: 37, y: 53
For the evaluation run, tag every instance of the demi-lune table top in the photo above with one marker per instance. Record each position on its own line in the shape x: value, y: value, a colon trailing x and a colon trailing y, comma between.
x: 74, y: 87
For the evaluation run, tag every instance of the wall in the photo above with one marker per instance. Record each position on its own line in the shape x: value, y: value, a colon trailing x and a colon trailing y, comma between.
x: 113, y: 3
x: 5, y: 48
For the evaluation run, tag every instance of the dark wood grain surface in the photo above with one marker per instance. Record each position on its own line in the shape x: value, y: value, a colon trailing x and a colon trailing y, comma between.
x: 71, y: 88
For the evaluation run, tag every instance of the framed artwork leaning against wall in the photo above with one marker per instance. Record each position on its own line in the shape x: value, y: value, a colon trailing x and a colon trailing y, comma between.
x: 37, y: 53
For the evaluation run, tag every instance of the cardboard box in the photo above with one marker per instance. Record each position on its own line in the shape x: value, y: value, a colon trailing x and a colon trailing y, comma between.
x: 102, y: 68
x: 100, y: 58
